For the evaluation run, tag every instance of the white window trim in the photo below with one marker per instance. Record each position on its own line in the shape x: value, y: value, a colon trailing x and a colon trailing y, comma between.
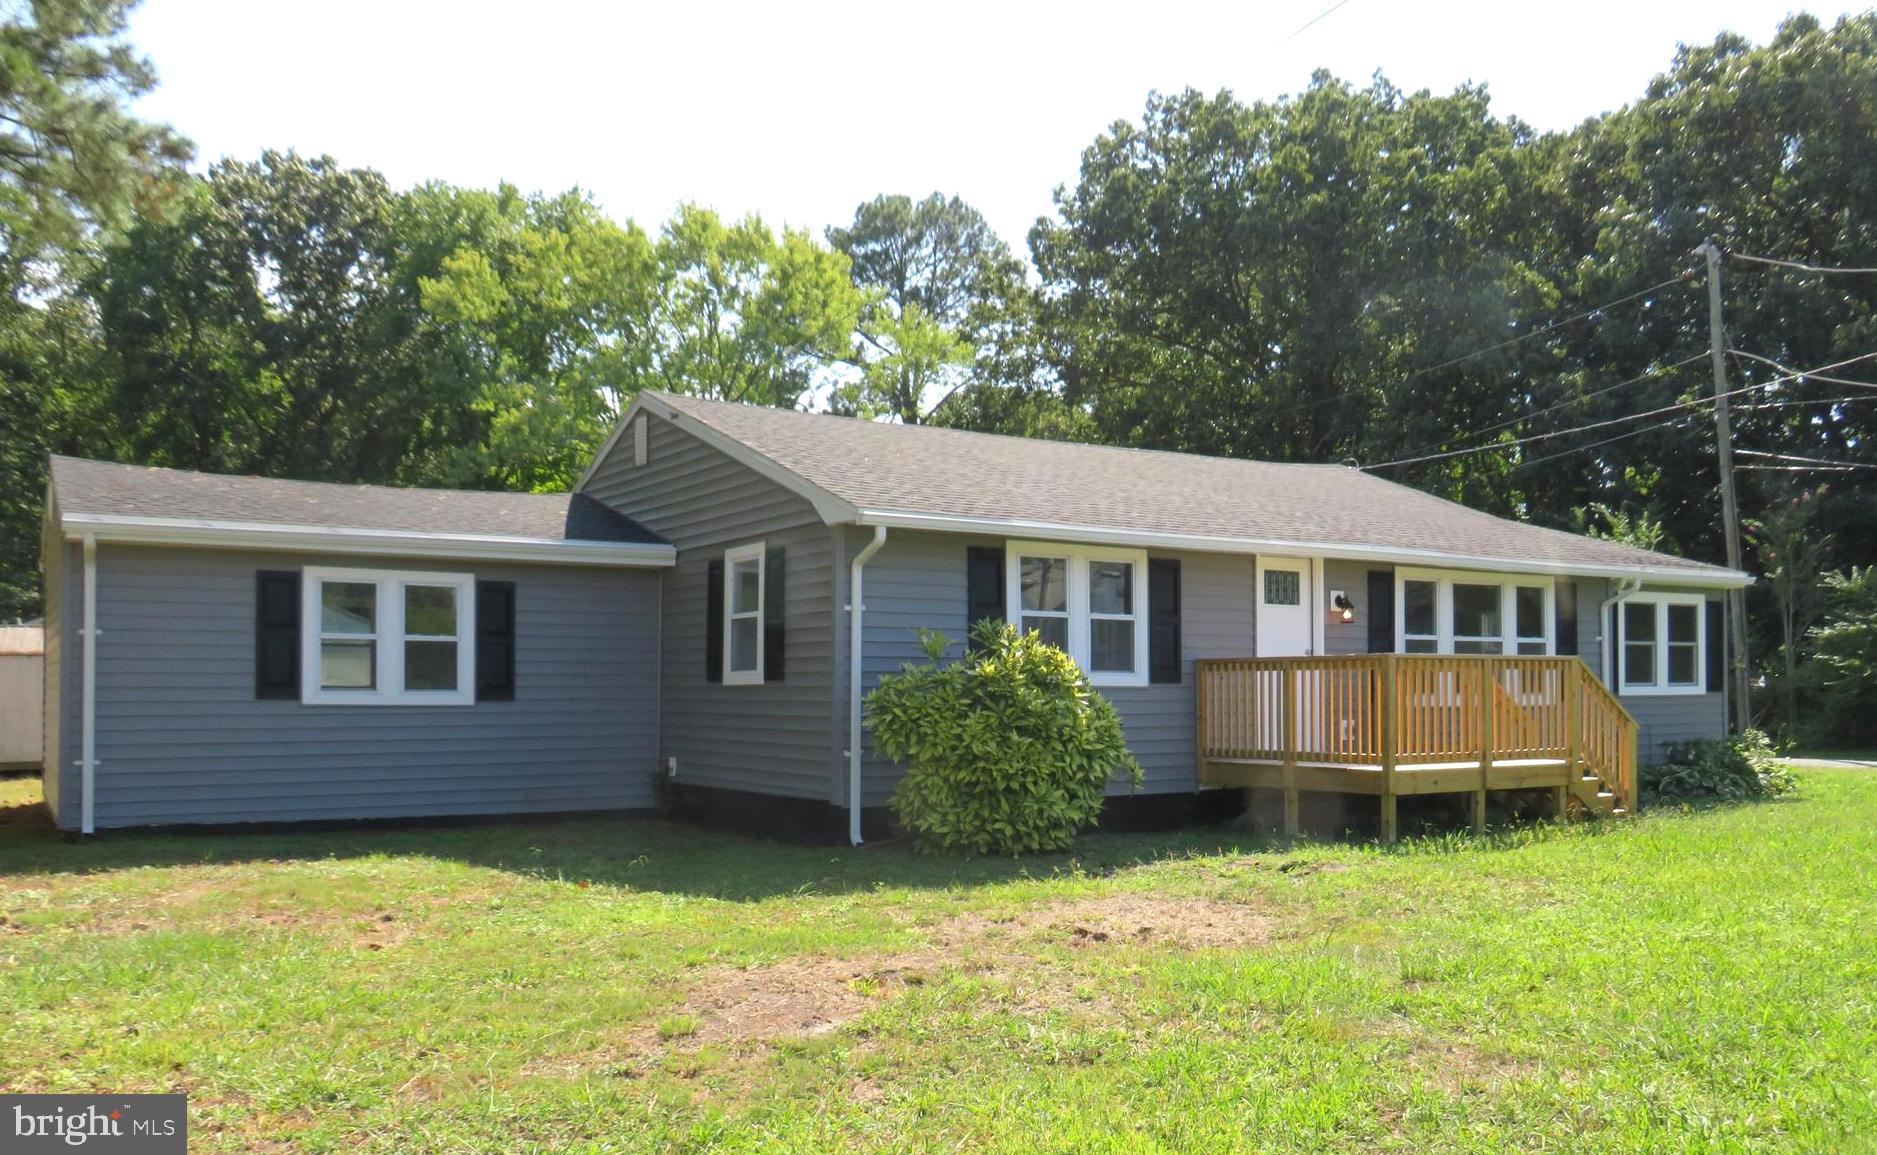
x: 389, y: 675
x: 1079, y: 557
x: 1662, y: 687
x: 755, y: 552
x: 1508, y: 584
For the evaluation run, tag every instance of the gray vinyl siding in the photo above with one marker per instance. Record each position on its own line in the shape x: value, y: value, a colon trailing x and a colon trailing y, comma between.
x: 775, y: 738
x: 918, y: 579
x: 1352, y: 578
x: 181, y: 738
x: 1590, y: 595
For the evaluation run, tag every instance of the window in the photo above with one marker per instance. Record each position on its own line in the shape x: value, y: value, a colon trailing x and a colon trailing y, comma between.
x: 1420, y: 633
x: 388, y: 637
x: 1283, y: 587
x: 1662, y: 643
x: 1476, y: 618
x: 1091, y: 602
x: 429, y: 637
x: 1449, y: 612
x: 1532, y: 622
x: 1043, y: 585
x: 1112, y: 617
x: 743, y: 615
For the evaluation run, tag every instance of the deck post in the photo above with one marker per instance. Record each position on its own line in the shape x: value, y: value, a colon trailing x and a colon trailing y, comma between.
x: 1200, y: 688
x: 1630, y: 773
x: 1488, y: 684
x: 1290, y: 750
x: 1390, y: 741
x: 1574, y: 672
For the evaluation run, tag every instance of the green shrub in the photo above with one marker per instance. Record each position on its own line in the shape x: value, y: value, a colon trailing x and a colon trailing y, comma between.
x: 1738, y: 767
x: 1006, y: 750
x: 1838, y: 682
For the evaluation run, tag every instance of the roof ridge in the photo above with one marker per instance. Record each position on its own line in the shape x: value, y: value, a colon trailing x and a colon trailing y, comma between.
x: 948, y: 430
x: 344, y: 485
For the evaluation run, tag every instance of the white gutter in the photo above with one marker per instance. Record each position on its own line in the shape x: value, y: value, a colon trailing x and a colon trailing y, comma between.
x: 88, y: 762
x: 856, y: 609
x: 329, y: 539
x: 1710, y: 577
x: 1624, y: 588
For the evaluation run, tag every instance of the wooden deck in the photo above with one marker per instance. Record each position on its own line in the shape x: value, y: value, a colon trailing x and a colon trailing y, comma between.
x: 1394, y: 724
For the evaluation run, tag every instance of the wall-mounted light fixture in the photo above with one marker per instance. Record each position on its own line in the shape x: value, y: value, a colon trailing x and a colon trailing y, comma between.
x: 1341, y: 608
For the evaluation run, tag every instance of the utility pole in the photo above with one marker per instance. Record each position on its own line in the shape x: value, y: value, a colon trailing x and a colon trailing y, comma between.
x: 1730, y: 512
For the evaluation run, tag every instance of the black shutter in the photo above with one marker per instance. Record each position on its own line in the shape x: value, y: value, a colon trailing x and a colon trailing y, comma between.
x: 495, y: 641
x: 1717, y: 646
x: 1163, y: 620
x: 775, y: 597
x: 1381, y: 611
x: 984, y: 585
x: 276, y: 634
x: 1614, y: 662
x: 1567, y: 617
x: 713, y: 625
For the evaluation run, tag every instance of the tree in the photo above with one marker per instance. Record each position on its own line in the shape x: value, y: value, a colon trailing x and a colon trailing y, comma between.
x: 245, y: 329
x: 1843, y: 667
x: 73, y: 160
x: 936, y: 279
x: 72, y: 156
x: 1250, y: 280
x: 745, y: 315
x: 539, y: 311
x: 1791, y: 555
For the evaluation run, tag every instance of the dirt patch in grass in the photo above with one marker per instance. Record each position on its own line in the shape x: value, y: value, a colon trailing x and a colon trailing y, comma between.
x: 806, y: 997
x: 1459, y: 1068
x: 790, y: 998
x: 1122, y: 918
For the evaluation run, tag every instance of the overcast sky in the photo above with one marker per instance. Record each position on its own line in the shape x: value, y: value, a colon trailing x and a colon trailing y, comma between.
x: 802, y: 112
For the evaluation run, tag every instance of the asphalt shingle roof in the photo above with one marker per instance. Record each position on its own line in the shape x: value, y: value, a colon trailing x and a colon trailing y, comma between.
x: 105, y: 488
x: 948, y: 472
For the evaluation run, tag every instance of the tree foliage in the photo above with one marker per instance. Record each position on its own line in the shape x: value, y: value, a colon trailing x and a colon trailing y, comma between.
x: 71, y: 155
x: 942, y: 304
x: 1840, y: 675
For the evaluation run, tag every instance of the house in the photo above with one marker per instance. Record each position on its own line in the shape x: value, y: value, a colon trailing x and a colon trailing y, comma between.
x: 225, y: 650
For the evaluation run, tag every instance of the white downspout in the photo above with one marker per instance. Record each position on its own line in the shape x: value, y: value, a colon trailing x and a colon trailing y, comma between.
x: 856, y: 608
x: 1624, y: 588
x: 88, y: 761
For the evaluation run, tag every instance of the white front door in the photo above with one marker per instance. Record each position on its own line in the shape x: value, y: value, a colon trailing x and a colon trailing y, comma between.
x: 1285, y: 595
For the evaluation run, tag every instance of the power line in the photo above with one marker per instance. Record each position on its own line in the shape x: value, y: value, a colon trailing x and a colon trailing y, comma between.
x: 1494, y: 348
x: 1580, y: 399
x: 1323, y: 15
x: 1598, y: 444
x: 1678, y: 407
x: 1587, y: 313
x: 1799, y: 265
x: 1794, y: 457
x: 1789, y: 369
x: 1758, y: 405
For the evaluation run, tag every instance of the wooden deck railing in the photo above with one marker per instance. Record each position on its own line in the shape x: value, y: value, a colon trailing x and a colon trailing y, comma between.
x: 1392, y: 712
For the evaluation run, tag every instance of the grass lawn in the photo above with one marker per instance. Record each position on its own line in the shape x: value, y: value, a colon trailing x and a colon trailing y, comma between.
x: 1700, y: 981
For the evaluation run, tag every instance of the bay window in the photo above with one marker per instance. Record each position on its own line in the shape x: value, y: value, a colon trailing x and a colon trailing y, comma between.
x: 1088, y: 601
x: 1661, y: 643
x: 1457, y: 612
x: 386, y: 637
